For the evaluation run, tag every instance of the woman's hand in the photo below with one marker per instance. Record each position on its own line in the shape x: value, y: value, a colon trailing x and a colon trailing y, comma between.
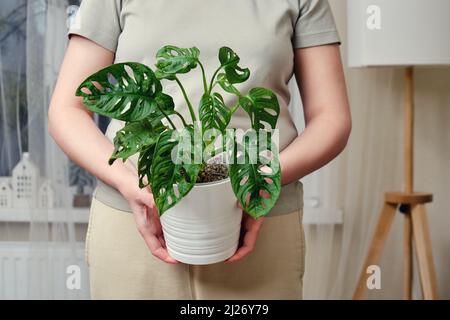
x: 249, y: 234
x: 146, y: 217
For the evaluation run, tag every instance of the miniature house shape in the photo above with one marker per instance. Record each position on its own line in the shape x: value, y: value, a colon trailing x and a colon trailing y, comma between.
x: 25, y: 177
x: 46, y: 196
x: 6, y: 194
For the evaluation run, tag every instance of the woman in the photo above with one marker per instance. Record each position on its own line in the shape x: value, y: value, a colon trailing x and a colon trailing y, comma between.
x: 125, y: 246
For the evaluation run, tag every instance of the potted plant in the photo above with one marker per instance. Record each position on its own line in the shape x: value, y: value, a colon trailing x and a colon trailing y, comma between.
x: 195, y: 194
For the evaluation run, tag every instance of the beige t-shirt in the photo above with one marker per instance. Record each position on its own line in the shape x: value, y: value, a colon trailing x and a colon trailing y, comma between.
x: 263, y: 33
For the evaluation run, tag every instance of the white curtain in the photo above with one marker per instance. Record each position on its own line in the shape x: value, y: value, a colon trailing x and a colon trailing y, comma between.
x: 355, y: 182
x: 53, y: 246
x: 371, y: 165
x: 41, y: 250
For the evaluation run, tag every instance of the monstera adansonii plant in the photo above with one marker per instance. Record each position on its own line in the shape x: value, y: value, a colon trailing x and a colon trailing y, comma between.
x: 133, y: 93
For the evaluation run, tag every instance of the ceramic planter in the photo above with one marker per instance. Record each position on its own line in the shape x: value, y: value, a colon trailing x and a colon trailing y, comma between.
x: 204, y: 227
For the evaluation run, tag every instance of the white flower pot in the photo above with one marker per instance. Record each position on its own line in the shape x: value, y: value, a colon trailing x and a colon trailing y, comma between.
x: 204, y: 227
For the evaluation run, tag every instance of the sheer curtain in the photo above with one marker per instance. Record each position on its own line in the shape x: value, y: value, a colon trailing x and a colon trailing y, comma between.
x: 56, y: 255
x: 41, y: 233
x: 336, y: 248
x: 372, y: 164
x: 355, y: 182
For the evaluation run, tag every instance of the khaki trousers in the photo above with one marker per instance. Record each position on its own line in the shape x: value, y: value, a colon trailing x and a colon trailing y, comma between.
x: 122, y: 267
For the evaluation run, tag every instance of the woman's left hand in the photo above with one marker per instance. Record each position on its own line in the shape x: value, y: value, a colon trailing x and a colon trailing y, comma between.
x: 249, y: 234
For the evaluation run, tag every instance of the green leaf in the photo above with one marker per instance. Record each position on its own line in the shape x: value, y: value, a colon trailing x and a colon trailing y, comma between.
x: 213, y: 112
x: 134, y: 137
x: 229, y: 60
x: 164, y: 107
x: 262, y: 106
x: 171, y: 181
x: 173, y: 60
x: 124, y: 91
x: 256, y: 189
x: 145, y: 165
x: 226, y: 85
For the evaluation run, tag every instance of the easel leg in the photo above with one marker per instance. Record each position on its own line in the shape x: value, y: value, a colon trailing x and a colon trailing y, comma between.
x: 424, y: 252
x: 381, y: 233
x: 407, y: 256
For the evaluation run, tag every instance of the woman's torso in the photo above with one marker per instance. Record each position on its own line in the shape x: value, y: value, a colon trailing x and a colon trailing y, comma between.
x: 260, y: 31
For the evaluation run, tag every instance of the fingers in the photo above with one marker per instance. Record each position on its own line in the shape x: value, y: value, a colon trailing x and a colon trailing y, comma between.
x: 156, y: 247
x: 147, y: 221
x: 162, y: 241
x: 251, y: 232
x: 149, y: 227
x: 146, y: 197
x: 240, y: 253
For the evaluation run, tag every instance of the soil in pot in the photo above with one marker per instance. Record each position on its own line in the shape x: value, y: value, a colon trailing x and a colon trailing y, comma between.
x: 213, y: 172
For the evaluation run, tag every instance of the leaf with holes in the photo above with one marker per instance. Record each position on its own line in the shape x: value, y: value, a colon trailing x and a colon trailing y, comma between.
x: 134, y: 137
x: 124, y: 91
x: 229, y: 60
x: 172, y: 174
x: 145, y: 165
x: 226, y: 85
x: 173, y: 60
x: 255, y: 175
x: 213, y: 112
x: 262, y: 106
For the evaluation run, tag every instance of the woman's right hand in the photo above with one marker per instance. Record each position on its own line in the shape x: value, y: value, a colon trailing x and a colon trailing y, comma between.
x: 146, y: 217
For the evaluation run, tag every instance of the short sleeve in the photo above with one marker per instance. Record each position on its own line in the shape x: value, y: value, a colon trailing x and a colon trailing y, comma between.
x: 315, y: 25
x: 99, y: 21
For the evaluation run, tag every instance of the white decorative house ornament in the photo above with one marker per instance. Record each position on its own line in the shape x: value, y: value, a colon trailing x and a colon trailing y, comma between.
x: 46, y: 196
x: 24, y: 183
x: 6, y: 193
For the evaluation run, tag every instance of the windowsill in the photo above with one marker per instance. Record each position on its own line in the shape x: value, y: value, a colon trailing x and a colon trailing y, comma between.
x: 55, y: 215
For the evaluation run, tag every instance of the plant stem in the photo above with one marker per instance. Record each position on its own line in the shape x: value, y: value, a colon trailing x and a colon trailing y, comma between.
x: 212, y: 85
x: 168, y: 119
x: 181, y: 118
x: 205, y: 85
x: 191, y: 109
x: 235, y: 107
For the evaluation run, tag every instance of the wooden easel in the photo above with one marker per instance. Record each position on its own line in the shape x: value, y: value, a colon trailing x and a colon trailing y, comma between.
x: 412, y: 206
